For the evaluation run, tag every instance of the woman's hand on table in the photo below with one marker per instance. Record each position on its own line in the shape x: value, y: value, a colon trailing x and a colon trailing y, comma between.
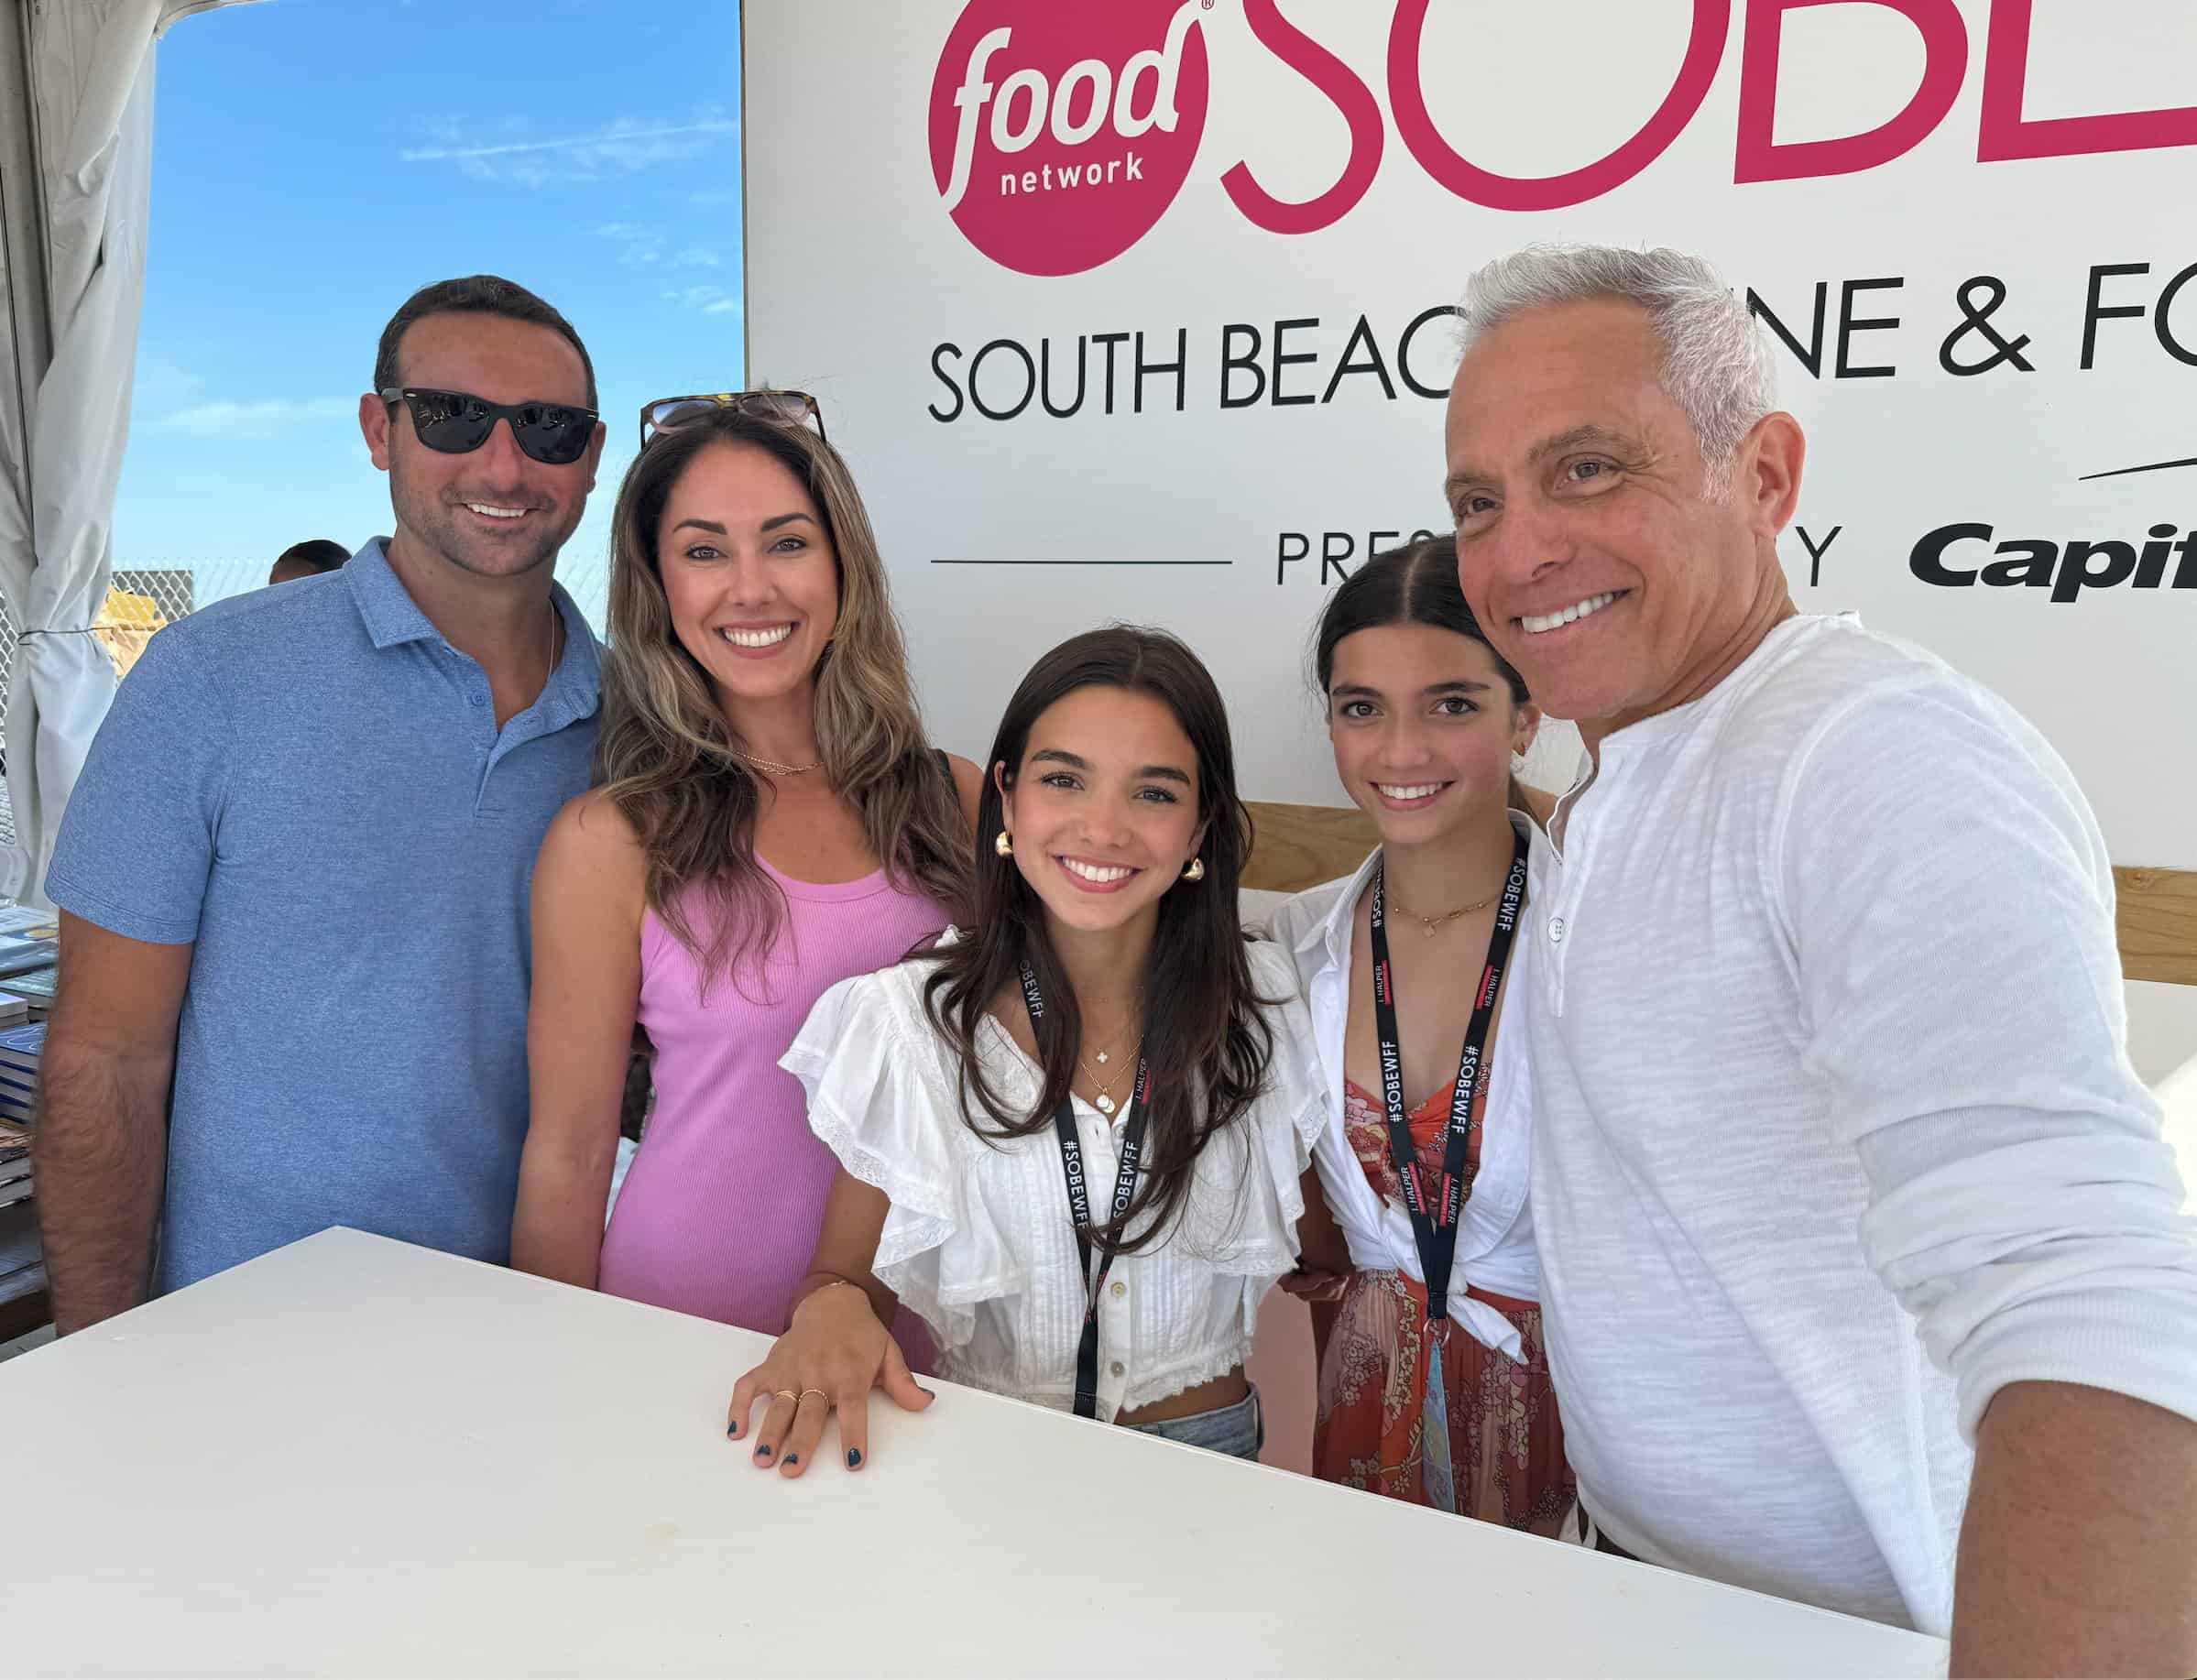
x: 831, y: 1357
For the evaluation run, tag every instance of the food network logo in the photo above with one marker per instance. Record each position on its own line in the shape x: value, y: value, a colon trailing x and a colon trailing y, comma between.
x: 1070, y: 127
x: 1061, y: 130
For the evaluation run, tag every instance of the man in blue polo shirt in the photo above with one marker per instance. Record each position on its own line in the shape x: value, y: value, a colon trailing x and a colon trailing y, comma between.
x: 293, y: 878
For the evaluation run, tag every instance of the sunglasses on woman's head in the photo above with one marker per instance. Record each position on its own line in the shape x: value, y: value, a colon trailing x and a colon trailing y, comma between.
x: 457, y: 423
x: 789, y: 407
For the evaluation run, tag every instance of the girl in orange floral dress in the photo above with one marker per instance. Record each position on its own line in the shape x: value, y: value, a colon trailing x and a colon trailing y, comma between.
x: 1405, y: 965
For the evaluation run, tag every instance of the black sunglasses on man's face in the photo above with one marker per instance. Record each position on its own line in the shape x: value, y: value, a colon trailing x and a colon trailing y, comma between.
x: 457, y: 423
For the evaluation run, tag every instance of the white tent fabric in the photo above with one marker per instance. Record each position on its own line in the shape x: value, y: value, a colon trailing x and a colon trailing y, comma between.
x: 79, y: 112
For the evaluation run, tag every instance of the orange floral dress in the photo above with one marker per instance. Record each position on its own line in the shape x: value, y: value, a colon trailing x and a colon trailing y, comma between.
x: 1507, y: 1442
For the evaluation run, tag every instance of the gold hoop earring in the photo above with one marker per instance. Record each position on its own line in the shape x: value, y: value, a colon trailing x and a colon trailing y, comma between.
x: 1002, y: 844
x: 1197, y: 871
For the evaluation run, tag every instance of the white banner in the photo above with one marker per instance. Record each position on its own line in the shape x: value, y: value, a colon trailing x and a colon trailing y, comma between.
x: 1136, y: 311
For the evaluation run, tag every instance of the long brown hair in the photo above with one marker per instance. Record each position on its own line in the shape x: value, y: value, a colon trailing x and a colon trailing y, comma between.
x: 1207, y: 1045
x: 669, y: 757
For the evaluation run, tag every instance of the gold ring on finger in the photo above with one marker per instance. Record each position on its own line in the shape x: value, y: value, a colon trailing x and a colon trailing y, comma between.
x: 819, y: 1393
x: 787, y: 1394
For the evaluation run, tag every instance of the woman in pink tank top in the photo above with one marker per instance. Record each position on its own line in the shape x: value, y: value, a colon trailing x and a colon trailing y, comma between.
x: 769, y: 820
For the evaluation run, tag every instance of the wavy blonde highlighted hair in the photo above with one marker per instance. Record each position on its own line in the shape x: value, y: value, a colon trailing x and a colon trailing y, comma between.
x: 668, y: 758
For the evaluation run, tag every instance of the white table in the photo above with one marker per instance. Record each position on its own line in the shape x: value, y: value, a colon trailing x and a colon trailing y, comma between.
x: 355, y: 1456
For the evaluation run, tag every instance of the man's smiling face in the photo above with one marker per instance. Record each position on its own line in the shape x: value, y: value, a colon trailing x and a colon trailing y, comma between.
x: 1589, y: 541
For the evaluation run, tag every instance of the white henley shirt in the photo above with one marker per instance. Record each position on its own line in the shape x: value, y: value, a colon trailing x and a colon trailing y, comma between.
x: 1836, y: 1133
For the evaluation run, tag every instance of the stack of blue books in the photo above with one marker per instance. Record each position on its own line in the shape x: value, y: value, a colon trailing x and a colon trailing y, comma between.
x: 22, y: 952
x: 29, y: 941
x: 20, y: 1048
x: 33, y: 989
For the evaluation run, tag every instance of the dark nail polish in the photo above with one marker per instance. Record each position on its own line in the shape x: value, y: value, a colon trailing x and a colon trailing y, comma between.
x: 920, y: 1390
x: 731, y: 1431
x: 853, y: 1457
x: 762, y: 1452
x: 790, y: 1458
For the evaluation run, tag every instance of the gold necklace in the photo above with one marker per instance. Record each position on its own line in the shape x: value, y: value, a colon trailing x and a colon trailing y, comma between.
x: 1432, y: 925
x: 1105, y: 1101
x: 777, y: 769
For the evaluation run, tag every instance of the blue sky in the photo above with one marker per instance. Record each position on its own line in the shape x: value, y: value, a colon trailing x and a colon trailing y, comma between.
x: 317, y: 161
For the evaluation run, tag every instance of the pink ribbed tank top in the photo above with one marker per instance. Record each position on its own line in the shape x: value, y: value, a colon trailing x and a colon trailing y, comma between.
x: 719, y: 1212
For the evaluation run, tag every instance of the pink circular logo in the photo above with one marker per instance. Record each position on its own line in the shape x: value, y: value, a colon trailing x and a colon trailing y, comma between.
x: 1061, y: 133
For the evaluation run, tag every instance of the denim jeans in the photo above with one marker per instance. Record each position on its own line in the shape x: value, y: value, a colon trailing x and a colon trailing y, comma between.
x: 1239, y: 1430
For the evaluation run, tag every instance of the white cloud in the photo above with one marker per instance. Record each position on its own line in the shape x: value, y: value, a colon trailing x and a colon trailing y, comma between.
x: 622, y: 147
x: 641, y: 244
x: 522, y: 174
x: 162, y: 384
x: 253, y: 420
x: 706, y: 299
x: 625, y: 132
x: 636, y: 243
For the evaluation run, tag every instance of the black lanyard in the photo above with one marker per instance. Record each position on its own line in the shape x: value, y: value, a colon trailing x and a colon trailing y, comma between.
x: 1433, y: 1227
x: 1079, y: 1202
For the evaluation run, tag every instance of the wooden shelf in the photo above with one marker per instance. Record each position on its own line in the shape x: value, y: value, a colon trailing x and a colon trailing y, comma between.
x: 1301, y: 845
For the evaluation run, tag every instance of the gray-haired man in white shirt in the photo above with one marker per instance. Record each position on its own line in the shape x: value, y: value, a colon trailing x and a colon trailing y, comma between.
x: 1852, y: 1214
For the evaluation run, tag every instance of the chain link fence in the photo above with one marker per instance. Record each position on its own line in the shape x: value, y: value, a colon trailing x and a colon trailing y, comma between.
x: 144, y: 598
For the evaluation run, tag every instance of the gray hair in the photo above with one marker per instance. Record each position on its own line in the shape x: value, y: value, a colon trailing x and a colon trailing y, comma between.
x: 1716, y: 360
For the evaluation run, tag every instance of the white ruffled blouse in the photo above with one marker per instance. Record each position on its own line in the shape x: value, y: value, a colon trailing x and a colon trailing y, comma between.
x: 978, y: 1241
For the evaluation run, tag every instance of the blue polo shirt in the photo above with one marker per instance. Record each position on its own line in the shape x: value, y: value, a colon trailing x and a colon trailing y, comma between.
x: 308, y: 783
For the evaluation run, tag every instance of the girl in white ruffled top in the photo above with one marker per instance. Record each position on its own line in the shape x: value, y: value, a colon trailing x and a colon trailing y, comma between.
x: 1071, y: 1135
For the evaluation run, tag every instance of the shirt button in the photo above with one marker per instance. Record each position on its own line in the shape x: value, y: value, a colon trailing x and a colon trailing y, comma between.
x: 1120, y: 1289
x: 1556, y: 929
x: 1120, y: 1369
